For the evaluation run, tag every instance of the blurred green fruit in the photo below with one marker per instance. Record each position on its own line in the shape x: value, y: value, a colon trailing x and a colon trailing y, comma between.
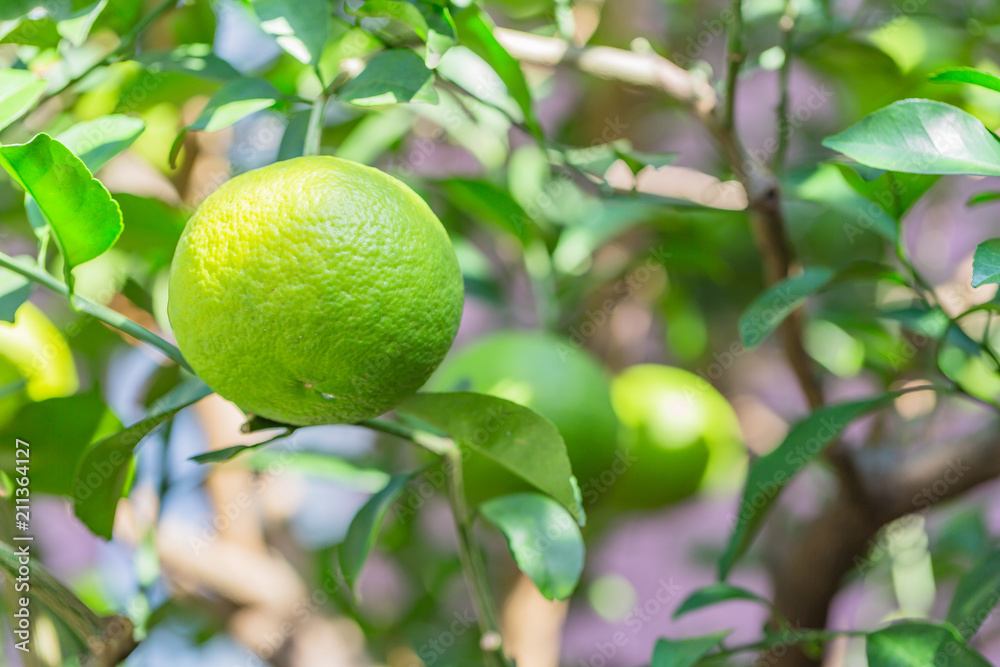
x: 549, y: 375
x: 679, y: 431
x: 33, y: 350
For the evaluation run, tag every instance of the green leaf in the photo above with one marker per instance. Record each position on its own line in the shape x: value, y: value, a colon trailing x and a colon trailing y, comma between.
x: 507, y: 434
x: 543, y: 539
x: 235, y: 101
x: 431, y: 22
x: 986, y: 263
x: 684, y: 652
x: 58, y: 431
x: 894, y: 192
x: 774, y: 304
x: 97, y: 141
x: 103, y: 473
x: 976, y: 596
x: 967, y: 75
x: 228, y: 453
x: 770, y: 473
x: 391, y: 77
x: 299, y: 26
x: 481, y: 200
x: 19, y: 90
x: 364, y: 528
x: 152, y: 229
x: 475, y: 31
x: 920, y: 644
x: 195, y: 59
x: 714, y: 594
x: 982, y: 198
x: 76, y: 27
x: 14, y: 290
x: 921, y: 137
x: 85, y: 219
x: 293, y: 140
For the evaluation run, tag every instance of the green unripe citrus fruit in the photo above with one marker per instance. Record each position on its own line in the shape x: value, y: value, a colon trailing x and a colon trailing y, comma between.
x: 33, y: 351
x: 676, y: 426
x: 315, y: 291
x: 548, y: 375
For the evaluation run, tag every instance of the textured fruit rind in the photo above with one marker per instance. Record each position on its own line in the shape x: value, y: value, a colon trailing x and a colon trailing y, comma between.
x: 315, y: 291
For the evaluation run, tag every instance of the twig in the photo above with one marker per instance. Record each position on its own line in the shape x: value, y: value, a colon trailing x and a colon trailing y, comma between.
x: 472, y: 564
x: 786, y: 24
x: 314, y: 132
x: 469, y: 552
x: 104, y: 314
x: 639, y: 69
x: 735, y: 57
x: 109, y: 639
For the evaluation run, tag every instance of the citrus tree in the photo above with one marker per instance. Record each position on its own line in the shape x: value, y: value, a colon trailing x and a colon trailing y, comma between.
x: 292, y: 205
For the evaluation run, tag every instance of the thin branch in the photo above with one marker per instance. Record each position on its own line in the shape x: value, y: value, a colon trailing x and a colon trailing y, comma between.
x: 786, y: 24
x: 736, y: 55
x: 110, y: 317
x: 647, y: 70
x: 473, y: 565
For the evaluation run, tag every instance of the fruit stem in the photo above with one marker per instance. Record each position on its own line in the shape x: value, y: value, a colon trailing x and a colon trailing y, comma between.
x: 104, y: 314
x: 314, y: 132
x: 473, y: 564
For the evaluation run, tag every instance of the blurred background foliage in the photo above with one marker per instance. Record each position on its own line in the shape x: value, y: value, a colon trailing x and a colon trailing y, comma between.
x: 607, y: 257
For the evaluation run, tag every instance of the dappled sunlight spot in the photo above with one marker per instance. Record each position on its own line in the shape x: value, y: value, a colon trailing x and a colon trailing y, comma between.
x: 611, y: 596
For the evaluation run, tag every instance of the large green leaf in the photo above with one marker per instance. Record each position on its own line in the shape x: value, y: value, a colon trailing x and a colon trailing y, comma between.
x: 920, y: 644
x: 976, y: 596
x: 770, y: 473
x: 363, y: 532
x: 97, y: 141
x: 774, y: 304
x: 507, y: 434
x: 715, y: 594
x: 391, y: 77
x: 967, y: 75
x: 58, y: 431
x: 475, y: 31
x: 299, y: 26
x: 19, y: 90
x: 104, y: 471
x: 543, y: 539
x: 921, y: 137
x: 85, y: 219
x: 236, y: 100
x: 684, y: 652
x: 986, y: 263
